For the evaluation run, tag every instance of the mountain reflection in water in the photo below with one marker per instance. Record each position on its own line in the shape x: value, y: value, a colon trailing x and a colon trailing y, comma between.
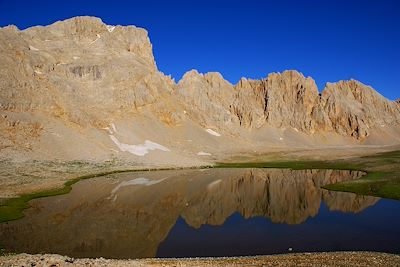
x: 128, y: 215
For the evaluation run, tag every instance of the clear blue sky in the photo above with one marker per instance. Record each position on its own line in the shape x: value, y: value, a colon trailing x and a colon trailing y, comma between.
x: 328, y: 40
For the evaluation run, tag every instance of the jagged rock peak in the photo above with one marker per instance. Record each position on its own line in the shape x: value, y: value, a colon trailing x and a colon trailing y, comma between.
x: 190, y: 75
x: 10, y: 27
x: 294, y: 74
x: 354, y: 87
x: 84, y: 25
x: 214, y: 79
x: 91, y: 33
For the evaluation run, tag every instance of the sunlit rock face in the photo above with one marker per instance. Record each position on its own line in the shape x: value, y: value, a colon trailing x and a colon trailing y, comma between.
x: 80, y: 75
x: 354, y: 108
x: 129, y: 215
x: 280, y: 100
x: 78, y: 70
x: 289, y: 99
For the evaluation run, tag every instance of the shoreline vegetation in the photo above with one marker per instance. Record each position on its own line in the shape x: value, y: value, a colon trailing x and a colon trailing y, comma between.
x: 12, y: 208
x: 382, y: 178
x: 382, y: 170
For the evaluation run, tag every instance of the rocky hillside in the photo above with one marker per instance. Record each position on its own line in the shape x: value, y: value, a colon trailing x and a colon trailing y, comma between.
x: 82, y: 89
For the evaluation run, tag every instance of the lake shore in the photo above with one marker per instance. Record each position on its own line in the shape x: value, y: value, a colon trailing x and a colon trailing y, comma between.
x: 298, y: 259
x: 27, y: 177
x: 295, y: 259
x: 24, y: 181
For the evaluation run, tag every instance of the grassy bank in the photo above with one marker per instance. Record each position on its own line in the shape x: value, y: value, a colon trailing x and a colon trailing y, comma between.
x: 382, y: 179
x: 12, y: 208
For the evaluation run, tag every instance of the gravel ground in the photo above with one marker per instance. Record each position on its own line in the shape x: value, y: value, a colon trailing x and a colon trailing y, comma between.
x: 298, y: 259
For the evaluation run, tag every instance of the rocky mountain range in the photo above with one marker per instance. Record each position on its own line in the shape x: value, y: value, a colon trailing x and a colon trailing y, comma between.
x: 81, y: 89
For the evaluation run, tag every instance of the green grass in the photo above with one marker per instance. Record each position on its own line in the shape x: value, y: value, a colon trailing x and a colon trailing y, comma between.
x: 295, y: 165
x: 379, y: 184
x: 12, y: 208
x: 382, y: 178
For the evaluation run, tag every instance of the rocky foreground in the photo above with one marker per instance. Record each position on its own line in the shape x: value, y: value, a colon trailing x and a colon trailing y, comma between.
x: 299, y: 259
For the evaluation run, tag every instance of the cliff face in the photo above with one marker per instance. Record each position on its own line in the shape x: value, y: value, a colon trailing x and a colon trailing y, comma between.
x: 289, y: 99
x: 207, y: 98
x: 87, y: 74
x: 353, y: 109
x: 280, y: 100
x: 80, y: 69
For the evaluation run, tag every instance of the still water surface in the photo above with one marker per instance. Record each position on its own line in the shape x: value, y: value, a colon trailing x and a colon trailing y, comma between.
x: 216, y: 212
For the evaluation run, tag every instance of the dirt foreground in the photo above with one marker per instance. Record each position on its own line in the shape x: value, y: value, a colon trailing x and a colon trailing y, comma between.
x: 296, y: 259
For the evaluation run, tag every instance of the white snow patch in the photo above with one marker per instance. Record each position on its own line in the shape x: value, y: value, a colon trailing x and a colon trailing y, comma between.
x: 138, y: 150
x: 296, y: 129
x: 33, y: 48
x: 212, y: 184
x: 112, y: 130
x: 75, y: 57
x: 38, y: 72
x: 107, y: 129
x: 202, y: 153
x: 137, y: 181
x: 382, y: 125
x: 110, y: 28
x: 185, y: 111
x: 113, y: 127
x: 212, y: 132
x: 47, y: 40
x: 280, y: 138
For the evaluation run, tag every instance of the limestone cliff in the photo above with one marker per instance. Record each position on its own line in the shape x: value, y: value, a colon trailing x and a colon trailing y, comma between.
x: 289, y: 99
x: 80, y: 69
x: 353, y: 109
x: 75, y: 78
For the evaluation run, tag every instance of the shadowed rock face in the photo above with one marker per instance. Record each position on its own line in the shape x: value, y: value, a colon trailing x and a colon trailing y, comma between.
x: 129, y: 215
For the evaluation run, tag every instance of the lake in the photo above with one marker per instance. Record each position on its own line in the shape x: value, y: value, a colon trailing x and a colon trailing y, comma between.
x: 206, y: 212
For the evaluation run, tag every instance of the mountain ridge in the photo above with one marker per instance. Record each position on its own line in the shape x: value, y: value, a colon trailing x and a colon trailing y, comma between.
x: 98, y: 87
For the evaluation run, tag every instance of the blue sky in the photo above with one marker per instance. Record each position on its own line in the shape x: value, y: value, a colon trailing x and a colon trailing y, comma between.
x: 328, y: 40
